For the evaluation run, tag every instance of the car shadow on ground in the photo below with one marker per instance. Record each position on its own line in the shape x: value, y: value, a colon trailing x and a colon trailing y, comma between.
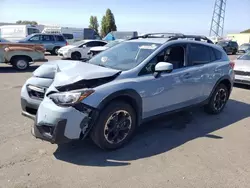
x: 10, y: 69
x: 155, y: 137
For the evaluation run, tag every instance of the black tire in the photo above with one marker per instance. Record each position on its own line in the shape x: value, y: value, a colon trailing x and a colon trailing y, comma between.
x: 21, y: 63
x: 76, y: 56
x: 100, y: 133
x: 55, y: 51
x: 234, y: 52
x: 214, y: 106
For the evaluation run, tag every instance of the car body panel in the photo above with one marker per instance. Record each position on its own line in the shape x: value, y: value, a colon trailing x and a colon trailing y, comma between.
x: 242, y: 71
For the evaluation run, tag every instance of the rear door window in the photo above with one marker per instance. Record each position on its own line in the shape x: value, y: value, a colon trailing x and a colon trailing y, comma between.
x: 59, y: 38
x: 47, y: 38
x: 199, y: 54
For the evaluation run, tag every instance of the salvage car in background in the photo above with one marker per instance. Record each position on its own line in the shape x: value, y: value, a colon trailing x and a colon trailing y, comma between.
x: 109, y: 96
x: 96, y: 50
x: 79, y: 50
x: 20, y: 56
x: 230, y: 47
x: 242, y: 69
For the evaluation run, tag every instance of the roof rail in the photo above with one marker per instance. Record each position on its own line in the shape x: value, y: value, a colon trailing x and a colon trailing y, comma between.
x: 194, y: 37
x: 157, y: 35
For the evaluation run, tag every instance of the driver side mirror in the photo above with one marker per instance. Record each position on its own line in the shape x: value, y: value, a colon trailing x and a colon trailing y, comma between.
x: 163, y: 67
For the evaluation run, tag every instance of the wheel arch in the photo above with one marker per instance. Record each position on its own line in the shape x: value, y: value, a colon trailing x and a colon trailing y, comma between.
x: 20, y: 56
x: 130, y: 96
x: 226, y: 80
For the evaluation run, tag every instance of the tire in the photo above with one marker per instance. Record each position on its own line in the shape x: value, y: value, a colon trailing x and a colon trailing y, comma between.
x: 234, y: 52
x: 20, y: 63
x: 55, y: 51
x: 218, y: 100
x: 76, y: 56
x: 106, y: 123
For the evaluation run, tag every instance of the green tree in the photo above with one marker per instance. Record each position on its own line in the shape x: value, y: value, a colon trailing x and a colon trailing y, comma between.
x: 25, y: 22
x: 103, y: 27
x: 93, y: 23
x: 108, y: 23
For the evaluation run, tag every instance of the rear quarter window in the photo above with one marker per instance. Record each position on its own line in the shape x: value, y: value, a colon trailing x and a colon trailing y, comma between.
x: 68, y: 36
x: 217, y: 53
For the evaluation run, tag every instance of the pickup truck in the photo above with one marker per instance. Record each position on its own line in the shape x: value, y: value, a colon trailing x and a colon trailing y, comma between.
x: 20, y: 56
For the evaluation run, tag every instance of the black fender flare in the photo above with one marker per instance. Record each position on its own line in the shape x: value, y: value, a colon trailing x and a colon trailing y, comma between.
x: 135, y: 101
x: 223, y: 78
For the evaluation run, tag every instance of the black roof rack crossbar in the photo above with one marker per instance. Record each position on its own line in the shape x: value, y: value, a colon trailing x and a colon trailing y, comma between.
x: 195, y: 37
x: 157, y: 35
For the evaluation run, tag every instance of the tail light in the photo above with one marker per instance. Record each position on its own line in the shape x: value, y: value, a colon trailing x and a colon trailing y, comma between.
x: 231, y: 64
x: 66, y: 43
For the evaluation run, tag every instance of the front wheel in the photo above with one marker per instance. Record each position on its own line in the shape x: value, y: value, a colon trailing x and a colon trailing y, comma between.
x: 20, y: 63
x: 115, y: 126
x: 218, y: 100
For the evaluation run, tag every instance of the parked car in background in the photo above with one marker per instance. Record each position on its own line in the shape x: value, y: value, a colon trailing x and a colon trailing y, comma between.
x: 79, y: 50
x: 20, y: 56
x: 3, y: 40
x: 117, y: 90
x: 95, y: 50
x: 51, y: 42
x: 230, y: 47
x: 242, y: 69
x: 72, y: 34
x: 244, y: 48
x: 114, y: 35
x: 14, y: 33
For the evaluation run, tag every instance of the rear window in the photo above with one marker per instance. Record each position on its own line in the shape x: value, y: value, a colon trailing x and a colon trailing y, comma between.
x: 200, y: 54
x: 59, y: 38
x: 68, y: 36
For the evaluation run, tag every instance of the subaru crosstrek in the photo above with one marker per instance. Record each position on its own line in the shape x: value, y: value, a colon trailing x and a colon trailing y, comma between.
x: 113, y: 93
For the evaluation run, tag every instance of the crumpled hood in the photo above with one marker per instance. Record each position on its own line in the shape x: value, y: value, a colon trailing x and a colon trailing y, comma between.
x: 99, y: 48
x: 82, y: 71
x: 48, y: 69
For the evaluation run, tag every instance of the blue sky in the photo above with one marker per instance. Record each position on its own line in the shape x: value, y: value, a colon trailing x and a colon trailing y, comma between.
x: 187, y: 16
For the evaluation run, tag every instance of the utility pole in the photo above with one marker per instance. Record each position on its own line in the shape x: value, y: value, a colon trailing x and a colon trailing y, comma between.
x: 217, y: 24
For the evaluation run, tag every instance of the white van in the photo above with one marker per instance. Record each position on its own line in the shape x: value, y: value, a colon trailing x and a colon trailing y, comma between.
x: 72, y: 34
x: 15, y: 33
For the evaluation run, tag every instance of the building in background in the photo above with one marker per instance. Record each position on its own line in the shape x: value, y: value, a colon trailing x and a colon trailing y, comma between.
x: 241, y: 38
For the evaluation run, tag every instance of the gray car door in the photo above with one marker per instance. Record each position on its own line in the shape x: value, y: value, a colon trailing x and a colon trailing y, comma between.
x: 48, y: 41
x: 169, y: 91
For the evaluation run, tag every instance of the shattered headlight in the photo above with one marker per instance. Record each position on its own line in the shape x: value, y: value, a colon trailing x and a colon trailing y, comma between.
x: 70, y: 98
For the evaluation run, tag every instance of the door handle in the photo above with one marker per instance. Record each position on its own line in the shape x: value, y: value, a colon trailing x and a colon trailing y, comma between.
x: 187, y: 76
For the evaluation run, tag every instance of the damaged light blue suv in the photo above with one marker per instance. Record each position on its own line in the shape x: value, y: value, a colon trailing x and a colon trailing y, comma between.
x: 113, y: 93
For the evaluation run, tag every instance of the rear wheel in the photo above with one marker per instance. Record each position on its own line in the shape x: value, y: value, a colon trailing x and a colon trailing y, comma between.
x: 115, y: 126
x: 55, y: 51
x: 76, y: 56
x: 20, y: 63
x: 218, y: 100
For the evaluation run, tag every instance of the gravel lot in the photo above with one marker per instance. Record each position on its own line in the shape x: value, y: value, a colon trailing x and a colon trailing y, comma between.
x: 213, y: 151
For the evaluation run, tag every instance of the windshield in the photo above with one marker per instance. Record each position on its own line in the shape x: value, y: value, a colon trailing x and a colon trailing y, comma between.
x: 113, y: 43
x: 245, y: 56
x: 223, y: 43
x: 124, y: 56
x: 78, y: 43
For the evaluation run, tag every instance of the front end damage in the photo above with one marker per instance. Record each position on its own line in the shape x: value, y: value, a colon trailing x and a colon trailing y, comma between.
x: 59, y: 125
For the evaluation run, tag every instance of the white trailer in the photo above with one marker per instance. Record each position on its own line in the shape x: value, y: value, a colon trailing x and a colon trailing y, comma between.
x: 17, y: 32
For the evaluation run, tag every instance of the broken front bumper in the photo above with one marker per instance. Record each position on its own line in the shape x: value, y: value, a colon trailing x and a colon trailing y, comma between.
x: 62, y: 124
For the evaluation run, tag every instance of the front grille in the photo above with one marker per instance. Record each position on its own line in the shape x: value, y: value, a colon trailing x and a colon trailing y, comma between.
x: 242, y: 73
